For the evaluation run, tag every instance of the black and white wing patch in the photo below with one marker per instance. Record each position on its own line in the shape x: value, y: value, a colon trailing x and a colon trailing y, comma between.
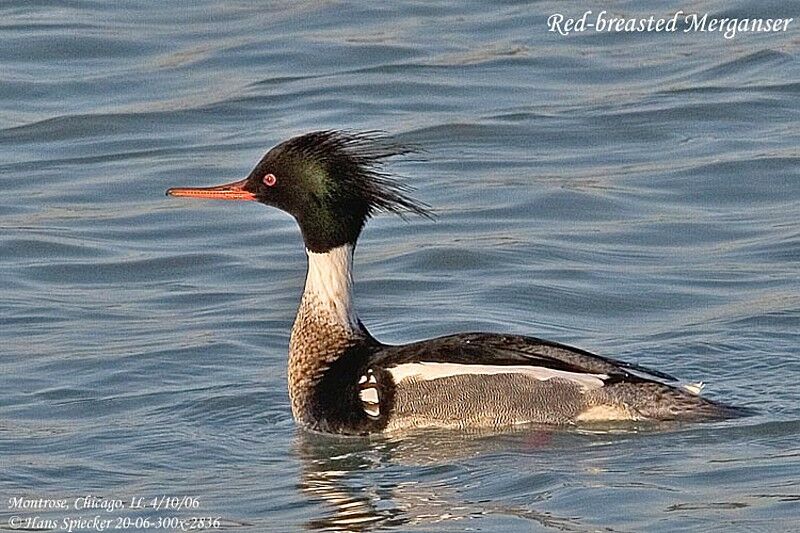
x: 429, y: 371
x: 369, y: 394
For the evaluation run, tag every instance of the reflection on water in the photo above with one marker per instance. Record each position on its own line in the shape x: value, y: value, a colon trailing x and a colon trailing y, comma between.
x: 361, y: 489
x: 532, y: 478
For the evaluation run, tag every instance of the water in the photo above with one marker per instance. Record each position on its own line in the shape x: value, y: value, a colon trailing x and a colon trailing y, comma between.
x: 636, y: 195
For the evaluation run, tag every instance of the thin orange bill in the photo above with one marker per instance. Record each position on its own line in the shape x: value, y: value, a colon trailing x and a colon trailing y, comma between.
x: 229, y: 191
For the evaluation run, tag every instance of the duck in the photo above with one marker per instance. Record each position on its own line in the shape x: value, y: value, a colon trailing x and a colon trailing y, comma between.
x: 343, y: 380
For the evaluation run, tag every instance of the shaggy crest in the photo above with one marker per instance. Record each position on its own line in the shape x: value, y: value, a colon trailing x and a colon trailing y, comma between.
x: 356, y: 161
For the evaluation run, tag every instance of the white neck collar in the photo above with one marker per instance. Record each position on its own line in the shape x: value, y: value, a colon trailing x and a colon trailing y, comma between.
x: 330, y: 282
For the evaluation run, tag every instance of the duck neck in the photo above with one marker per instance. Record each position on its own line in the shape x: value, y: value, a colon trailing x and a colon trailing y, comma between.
x: 326, y: 323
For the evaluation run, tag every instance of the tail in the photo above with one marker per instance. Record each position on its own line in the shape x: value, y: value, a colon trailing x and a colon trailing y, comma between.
x: 703, y: 409
x: 658, y: 401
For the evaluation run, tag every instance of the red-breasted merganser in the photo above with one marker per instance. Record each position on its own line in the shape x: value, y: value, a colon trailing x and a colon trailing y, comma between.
x: 343, y: 380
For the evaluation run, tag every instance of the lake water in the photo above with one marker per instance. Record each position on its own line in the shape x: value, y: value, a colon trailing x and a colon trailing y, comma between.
x: 635, y: 194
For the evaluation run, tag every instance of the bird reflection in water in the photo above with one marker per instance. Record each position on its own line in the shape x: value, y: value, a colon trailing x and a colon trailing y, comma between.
x: 374, y: 484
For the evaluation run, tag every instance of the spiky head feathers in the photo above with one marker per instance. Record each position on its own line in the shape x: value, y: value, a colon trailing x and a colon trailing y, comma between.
x: 332, y: 182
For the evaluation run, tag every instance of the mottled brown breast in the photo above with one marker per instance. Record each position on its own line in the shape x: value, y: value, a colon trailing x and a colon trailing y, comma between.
x: 317, y: 340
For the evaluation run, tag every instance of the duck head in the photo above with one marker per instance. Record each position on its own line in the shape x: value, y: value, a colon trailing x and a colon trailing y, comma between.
x: 331, y: 182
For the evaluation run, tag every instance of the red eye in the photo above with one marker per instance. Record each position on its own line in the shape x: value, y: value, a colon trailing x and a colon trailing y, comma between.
x: 269, y: 180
